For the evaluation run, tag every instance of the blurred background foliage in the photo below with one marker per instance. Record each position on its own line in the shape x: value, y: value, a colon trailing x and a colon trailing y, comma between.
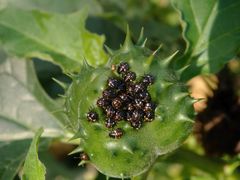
x: 162, y: 26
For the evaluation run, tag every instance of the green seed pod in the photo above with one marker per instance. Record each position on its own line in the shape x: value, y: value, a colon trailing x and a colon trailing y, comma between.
x: 136, y: 150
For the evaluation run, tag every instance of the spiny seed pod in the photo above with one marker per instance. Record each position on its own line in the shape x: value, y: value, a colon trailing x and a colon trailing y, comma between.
x: 131, y: 151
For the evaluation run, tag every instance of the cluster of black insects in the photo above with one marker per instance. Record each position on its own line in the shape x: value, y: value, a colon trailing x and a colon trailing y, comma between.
x: 125, y: 99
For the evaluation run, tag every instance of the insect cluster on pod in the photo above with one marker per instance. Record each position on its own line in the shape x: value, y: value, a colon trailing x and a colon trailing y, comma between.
x: 125, y: 99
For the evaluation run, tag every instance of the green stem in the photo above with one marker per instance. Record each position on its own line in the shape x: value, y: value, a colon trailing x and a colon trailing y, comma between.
x: 213, y: 166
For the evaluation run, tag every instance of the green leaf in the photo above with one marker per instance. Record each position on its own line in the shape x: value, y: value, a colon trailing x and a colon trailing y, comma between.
x: 12, y: 156
x: 56, y: 169
x: 24, y: 106
x: 60, y: 6
x: 33, y: 168
x: 59, y: 38
x: 212, y: 32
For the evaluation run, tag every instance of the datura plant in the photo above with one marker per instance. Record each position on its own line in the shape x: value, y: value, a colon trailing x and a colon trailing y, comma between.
x: 123, y: 111
x: 129, y: 111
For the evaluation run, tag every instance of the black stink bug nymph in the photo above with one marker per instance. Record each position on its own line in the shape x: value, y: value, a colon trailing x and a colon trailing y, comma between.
x: 149, y: 106
x: 120, y: 115
x: 110, y: 111
x: 117, y: 103
x: 129, y: 76
x: 123, y: 67
x: 108, y: 93
x: 92, y: 116
x: 113, y: 82
x: 149, y: 116
x: 125, y: 99
x: 116, y: 133
x: 136, y: 124
x: 109, y: 123
x: 148, y: 79
x: 102, y: 102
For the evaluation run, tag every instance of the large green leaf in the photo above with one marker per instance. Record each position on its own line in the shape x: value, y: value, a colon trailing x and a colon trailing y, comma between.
x: 212, y: 32
x: 24, y: 106
x: 33, y: 167
x: 12, y: 156
x: 59, y: 38
x: 60, y: 6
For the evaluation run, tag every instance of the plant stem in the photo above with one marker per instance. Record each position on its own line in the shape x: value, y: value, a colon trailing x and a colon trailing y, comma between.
x: 213, y: 166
